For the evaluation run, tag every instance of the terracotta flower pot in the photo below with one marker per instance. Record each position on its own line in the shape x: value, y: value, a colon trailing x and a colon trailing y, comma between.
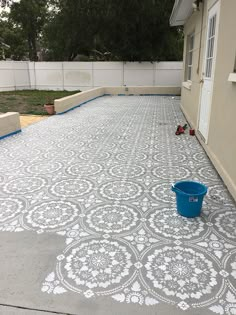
x: 50, y: 109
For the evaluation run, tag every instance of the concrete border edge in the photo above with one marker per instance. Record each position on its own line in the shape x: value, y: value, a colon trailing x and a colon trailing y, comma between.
x: 10, y: 134
x: 71, y: 102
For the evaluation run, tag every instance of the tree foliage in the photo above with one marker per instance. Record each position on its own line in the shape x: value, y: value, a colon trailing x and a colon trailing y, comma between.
x: 12, y: 42
x: 5, y: 3
x: 30, y: 15
x: 129, y: 30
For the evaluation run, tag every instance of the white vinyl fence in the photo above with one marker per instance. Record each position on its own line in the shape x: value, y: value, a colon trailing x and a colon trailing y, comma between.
x: 17, y: 75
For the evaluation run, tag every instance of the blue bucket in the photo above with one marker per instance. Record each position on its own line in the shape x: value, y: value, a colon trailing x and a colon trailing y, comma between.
x: 189, y: 197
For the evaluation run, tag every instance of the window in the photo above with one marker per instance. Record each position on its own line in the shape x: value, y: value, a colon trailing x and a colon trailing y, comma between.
x: 210, y: 46
x: 189, y: 57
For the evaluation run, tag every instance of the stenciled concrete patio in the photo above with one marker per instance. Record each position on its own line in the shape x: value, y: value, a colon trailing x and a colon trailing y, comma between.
x: 88, y: 222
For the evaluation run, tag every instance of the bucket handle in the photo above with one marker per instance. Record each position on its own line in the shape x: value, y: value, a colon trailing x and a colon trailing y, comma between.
x: 175, y: 189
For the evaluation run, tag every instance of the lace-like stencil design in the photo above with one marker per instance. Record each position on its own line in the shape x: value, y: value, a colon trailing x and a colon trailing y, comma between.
x: 100, y: 176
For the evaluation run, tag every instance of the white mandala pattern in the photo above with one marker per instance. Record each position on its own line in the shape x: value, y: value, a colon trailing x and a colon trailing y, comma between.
x: 101, y: 156
x: 111, y: 219
x: 10, y: 208
x: 1, y: 179
x: 218, y: 246
x: 121, y: 190
x: 41, y: 168
x: 100, y: 178
x: 169, y: 224
x: 173, y: 172
x: 97, y: 264
x: 71, y: 188
x: 136, y: 294
x: 52, y: 215
x: 226, y: 223
x: 200, y: 157
x: 123, y: 157
x: 160, y: 157
x: 131, y: 171
x: 141, y: 239
x: 10, y: 165
x: 225, y: 305
x: 208, y: 174
x: 24, y: 185
x: 232, y: 268
x: 219, y: 194
x: 85, y: 169
x: 162, y: 193
x: 181, y: 272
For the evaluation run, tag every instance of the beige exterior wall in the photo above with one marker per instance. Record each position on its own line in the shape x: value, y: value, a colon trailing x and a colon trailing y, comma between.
x: 221, y: 144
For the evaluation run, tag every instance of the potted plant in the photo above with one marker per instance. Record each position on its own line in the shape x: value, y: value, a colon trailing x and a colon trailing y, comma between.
x: 49, y: 106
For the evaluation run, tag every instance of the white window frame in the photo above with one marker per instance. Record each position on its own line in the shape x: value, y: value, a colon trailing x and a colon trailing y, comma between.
x: 189, y: 56
x: 232, y: 76
x: 210, y: 46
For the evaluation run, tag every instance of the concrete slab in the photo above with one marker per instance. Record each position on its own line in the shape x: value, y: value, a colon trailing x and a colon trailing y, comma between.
x: 88, y: 222
x: 26, y: 120
x: 11, y: 310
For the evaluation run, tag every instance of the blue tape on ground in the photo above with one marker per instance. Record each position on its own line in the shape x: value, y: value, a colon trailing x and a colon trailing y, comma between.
x: 92, y: 99
x: 10, y: 134
x: 68, y: 110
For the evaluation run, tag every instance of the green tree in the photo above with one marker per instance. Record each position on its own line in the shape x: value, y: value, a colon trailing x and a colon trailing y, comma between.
x: 140, y: 30
x: 129, y: 30
x: 30, y: 15
x: 69, y: 29
x: 5, y: 3
x: 13, y: 45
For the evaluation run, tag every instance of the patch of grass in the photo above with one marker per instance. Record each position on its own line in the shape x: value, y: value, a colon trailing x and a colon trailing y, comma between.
x: 11, y: 98
x: 29, y: 101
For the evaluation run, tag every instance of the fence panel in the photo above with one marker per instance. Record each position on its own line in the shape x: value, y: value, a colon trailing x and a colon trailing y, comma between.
x: 16, y: 75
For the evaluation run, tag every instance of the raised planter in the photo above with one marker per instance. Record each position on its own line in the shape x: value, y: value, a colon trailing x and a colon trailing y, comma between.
x: 67, y: 103
x: 9, y: 124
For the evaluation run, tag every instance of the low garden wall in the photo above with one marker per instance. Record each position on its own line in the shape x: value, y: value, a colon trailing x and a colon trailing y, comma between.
x: 9, y: 124
x: 67, y: 103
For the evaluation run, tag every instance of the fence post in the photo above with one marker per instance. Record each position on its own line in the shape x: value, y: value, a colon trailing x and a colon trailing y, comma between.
x: 14, y: 76
x: 123, y: 73
x: 63, y: 80
x: 35, y: 78
x: 154, y: 73
x: 92, y: 74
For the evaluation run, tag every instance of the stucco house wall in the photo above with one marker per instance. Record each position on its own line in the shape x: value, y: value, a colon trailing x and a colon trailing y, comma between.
x: 222, y: 132
x: 221, y: 142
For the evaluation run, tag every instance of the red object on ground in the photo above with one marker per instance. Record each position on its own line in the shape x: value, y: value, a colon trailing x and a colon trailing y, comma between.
x: 179, y: 130
x: 192, y: 132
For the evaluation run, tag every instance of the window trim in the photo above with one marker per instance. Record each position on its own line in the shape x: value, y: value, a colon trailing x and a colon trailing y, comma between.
x: 189, y: 56
x: 232, y: 77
